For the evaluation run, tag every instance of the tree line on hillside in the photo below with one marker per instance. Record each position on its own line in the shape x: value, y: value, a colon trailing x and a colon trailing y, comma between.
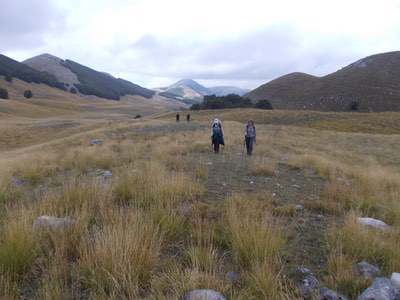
x: 230, y: 101
x: 103, y: 85
x: 10, y: 68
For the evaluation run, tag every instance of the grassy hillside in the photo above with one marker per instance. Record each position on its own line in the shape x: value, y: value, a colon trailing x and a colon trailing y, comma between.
x: 372, y: 83
x: 174, y: 217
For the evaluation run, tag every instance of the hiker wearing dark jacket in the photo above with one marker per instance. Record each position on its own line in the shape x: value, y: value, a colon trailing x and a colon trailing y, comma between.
x: 250, y: 136
x: 217, y: 135
x: 177, y: 117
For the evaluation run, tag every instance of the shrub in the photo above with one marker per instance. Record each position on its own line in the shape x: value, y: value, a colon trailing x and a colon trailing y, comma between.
x: 3, y: 93
x: 354, y: 106
x: 28, y: 94
x: 8, y: 78
x: 263, y: 104
x: 73, y: 90
x: 138, y: 116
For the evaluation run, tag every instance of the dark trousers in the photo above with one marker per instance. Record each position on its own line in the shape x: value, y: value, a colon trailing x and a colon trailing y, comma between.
x: 216, y: 147
x: 249, y: 145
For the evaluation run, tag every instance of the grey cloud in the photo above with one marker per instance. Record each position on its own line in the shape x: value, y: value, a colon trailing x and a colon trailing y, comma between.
x: 255, y: 56
x: 24, y: 23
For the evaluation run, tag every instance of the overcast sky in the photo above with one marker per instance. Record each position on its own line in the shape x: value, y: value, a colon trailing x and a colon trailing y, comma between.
x: 242, y: 43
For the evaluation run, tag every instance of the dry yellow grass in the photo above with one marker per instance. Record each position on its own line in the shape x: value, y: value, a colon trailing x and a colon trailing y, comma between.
x: 154, y: 231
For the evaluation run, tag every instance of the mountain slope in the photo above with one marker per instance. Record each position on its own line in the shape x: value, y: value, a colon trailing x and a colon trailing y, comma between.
x: 373, y: 83
x: 85, y: 79
x: 190, y: 91
x: 15, y: 69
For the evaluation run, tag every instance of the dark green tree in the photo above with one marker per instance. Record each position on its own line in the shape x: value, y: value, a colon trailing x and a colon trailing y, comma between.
x: 3, y: 93
x: 28, y: 94
x: 263, y: 104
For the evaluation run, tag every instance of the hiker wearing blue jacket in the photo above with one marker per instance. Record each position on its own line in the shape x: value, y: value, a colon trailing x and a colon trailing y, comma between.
x: 250, y: 136
x: 217, y: 135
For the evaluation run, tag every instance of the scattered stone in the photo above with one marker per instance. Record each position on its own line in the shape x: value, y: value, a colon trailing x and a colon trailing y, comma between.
x: 96, y: 142
x: 299, y: 207
x: 107, y: 174
x: 395, y: 280
x: 381, y: 289
x: 18, y: 181
x: 233, y: 277
x: 53, y: 223
x: 296, y: 186
x: 308, y: 285
x: 367, y: 270
x: 320, y: 217
x: 204, y: 295
x: 273, y: 194
x: 209, y: 163
x: 327, y: 294
x: 303, y: 270
x: 252, y: 182
x: 371, y: 222
x: 185, y: 209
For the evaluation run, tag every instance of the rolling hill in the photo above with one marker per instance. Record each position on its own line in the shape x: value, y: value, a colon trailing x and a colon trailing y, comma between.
x: 370, y: 84
x: 86, y: 80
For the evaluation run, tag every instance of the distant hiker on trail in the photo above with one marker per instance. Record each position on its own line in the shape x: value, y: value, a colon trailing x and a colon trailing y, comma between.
x: 250, y: 136
x: 217, y: 135
x: 177, y: 117
x: 188, y: 117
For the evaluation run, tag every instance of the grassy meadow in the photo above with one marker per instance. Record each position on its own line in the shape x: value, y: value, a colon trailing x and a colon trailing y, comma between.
x: 175, y: 217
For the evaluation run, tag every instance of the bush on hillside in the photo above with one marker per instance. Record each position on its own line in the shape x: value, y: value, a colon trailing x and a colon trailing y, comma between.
x: 354, y: 106
x: 3, y: 93
x: 73, y: 90
x: 8, y: 78
x: 263, y: 104
x: 28, y: 94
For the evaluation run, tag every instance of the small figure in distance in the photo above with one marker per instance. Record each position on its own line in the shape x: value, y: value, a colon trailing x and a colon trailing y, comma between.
x: 217, y: 135
x: 177, y: 117
x: 250, y: 136
x: 188, y: 117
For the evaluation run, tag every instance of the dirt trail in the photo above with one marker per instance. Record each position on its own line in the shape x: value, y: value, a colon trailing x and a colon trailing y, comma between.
x: 229, y: 173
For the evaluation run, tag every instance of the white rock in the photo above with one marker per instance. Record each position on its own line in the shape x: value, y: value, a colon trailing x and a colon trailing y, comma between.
x: 54, y: 223
x: 204, y: 295
x: 371, y: 222
x: 95, y: 142
x: 107, y: 174
x: 395, y: 280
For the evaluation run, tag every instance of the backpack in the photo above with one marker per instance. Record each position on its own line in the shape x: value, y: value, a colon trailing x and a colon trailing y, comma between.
x: 216, y: 129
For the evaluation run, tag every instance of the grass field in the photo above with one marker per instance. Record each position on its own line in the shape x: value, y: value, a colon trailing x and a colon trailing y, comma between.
x: 175, y: 217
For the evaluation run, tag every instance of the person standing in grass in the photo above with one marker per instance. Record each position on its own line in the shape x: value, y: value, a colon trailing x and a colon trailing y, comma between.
x: 250, y: 136
x: 177, y: 117
x: 217, y: 135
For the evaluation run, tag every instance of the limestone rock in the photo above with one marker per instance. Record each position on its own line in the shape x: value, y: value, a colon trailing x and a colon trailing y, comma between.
x: 327, y: 294
x: 381, y: 289
x: 367, y: 270
x: 53, y: 223
x: 375, y: 223
x: 204, y: 295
